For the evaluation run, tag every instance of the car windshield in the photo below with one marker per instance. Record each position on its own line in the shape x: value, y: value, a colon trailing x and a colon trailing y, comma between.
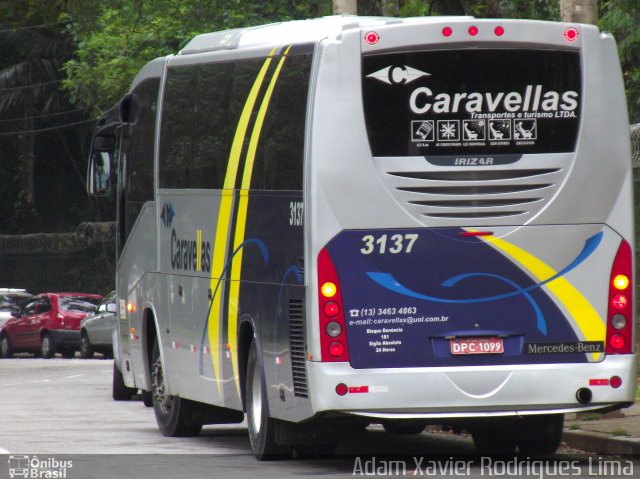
x: 80, y: 304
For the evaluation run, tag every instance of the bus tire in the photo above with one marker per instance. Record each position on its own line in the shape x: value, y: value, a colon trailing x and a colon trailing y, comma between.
x: 406, y: 427
x: 176, y: 417
x: 119, y: 390
x: 147, y: 399
x: 541, y: 434
x: 496, y: 438
x: 261, y: 426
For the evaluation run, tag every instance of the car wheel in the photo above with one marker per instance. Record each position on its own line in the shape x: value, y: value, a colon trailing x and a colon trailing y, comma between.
x: 86, y: 349
x: 47, y: 349
x: 261, y: 426
x: 6, y: 351
x: 120, y: 391
x: 176, y: 417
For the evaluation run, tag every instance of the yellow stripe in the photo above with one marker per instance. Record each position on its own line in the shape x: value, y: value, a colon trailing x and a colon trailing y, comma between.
x: 584, y: 314
x: 198, y: 250
x: 224, y: 220
x: 241, y: 223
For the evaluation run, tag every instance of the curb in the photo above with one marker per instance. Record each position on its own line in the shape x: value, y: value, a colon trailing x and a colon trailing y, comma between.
x: 601, y: 443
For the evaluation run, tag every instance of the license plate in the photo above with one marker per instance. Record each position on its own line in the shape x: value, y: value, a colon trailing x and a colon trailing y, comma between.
x: 477, y: 346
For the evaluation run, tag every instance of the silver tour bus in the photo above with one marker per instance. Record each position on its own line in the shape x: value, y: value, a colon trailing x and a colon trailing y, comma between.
x: 329, y: 223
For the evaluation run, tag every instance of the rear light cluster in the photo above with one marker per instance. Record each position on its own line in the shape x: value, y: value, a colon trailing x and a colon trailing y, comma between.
x: 620, y: 310
x: 571, y: 34
x: 473, y: 31
x: 333, y: 337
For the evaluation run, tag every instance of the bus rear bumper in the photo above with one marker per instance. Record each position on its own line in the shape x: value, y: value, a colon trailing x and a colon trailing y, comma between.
x: 482, y: 391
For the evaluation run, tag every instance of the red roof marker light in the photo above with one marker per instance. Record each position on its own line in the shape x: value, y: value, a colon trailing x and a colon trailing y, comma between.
x: 571, y: 34
x: 372, y: 38
x: 447, y: 31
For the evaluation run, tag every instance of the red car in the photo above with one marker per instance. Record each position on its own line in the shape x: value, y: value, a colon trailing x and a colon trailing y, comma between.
x: 48, y: 324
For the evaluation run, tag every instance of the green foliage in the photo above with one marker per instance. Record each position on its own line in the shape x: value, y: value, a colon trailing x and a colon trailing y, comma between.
x: 115, y: 39
x: 621, y: 18
x: 534, y: 9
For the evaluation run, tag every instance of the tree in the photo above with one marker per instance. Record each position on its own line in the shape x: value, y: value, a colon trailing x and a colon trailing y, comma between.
x: 31, y: 86
x: 115, y: 38
x: 579, y: 11
x: 345, y: 6
x: 39, y: 127
x: 622, y: 17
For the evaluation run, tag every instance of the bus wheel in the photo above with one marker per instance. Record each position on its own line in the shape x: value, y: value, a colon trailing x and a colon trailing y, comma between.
x: 406, y: 427
x: 176, y: 417
x: 119, y: 390
x: 261, y: 426
x: 147, y: 399
x: 496, y: 438
x: 541, y: 434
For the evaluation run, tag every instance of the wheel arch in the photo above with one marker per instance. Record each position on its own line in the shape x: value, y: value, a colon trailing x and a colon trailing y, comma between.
x: 150, y: 330
x: 246, y: 334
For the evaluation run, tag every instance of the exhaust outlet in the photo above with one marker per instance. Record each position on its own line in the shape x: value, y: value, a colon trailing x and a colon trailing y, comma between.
x: 584, y: 395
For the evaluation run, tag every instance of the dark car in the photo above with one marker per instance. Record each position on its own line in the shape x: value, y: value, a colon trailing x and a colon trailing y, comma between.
x: 96, y: 331
x: 48, y: 324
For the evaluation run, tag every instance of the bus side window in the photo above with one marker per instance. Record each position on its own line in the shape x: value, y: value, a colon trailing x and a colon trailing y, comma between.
x: 280, y: 154
x: 135, y: 184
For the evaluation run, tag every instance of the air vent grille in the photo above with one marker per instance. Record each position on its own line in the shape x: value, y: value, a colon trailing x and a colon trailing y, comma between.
x: 298, y: 348
x: 463, y: 194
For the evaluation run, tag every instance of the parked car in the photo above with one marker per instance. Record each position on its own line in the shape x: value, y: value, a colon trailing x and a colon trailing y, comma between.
x: 48, y: 324
x: 12, y: 301
x: 96, y: 330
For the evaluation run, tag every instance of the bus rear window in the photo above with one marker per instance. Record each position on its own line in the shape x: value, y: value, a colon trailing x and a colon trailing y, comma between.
x: 482, y: 101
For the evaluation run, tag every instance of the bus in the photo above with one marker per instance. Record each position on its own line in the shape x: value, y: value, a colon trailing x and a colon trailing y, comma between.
x: 331, y: 223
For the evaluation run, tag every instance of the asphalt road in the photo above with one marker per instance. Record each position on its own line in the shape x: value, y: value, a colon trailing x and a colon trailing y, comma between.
x: 57, y: 417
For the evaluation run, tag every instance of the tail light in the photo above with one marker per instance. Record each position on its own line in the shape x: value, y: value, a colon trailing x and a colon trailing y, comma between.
x: 333, y: 336
x: 620, y: 310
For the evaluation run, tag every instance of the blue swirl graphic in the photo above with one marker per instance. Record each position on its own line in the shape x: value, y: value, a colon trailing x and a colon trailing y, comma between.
x: 389, y: 282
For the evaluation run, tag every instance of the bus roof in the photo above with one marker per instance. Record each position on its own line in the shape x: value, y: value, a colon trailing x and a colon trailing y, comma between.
x: 296, y: 31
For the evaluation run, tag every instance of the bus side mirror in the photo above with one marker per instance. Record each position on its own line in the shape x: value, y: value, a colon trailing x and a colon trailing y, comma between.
x: 100, y: 171
x: 129, y: 109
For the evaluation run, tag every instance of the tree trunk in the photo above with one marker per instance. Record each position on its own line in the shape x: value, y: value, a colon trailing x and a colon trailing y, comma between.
x: 579, y: 11
x: 390, y: 8
x: 345, y: 6
x: 447, y: 7
x: 27, y: 152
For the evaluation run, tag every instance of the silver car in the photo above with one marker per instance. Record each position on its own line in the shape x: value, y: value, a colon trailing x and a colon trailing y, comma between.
x: 96, y: 330
x: 11, y: 302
